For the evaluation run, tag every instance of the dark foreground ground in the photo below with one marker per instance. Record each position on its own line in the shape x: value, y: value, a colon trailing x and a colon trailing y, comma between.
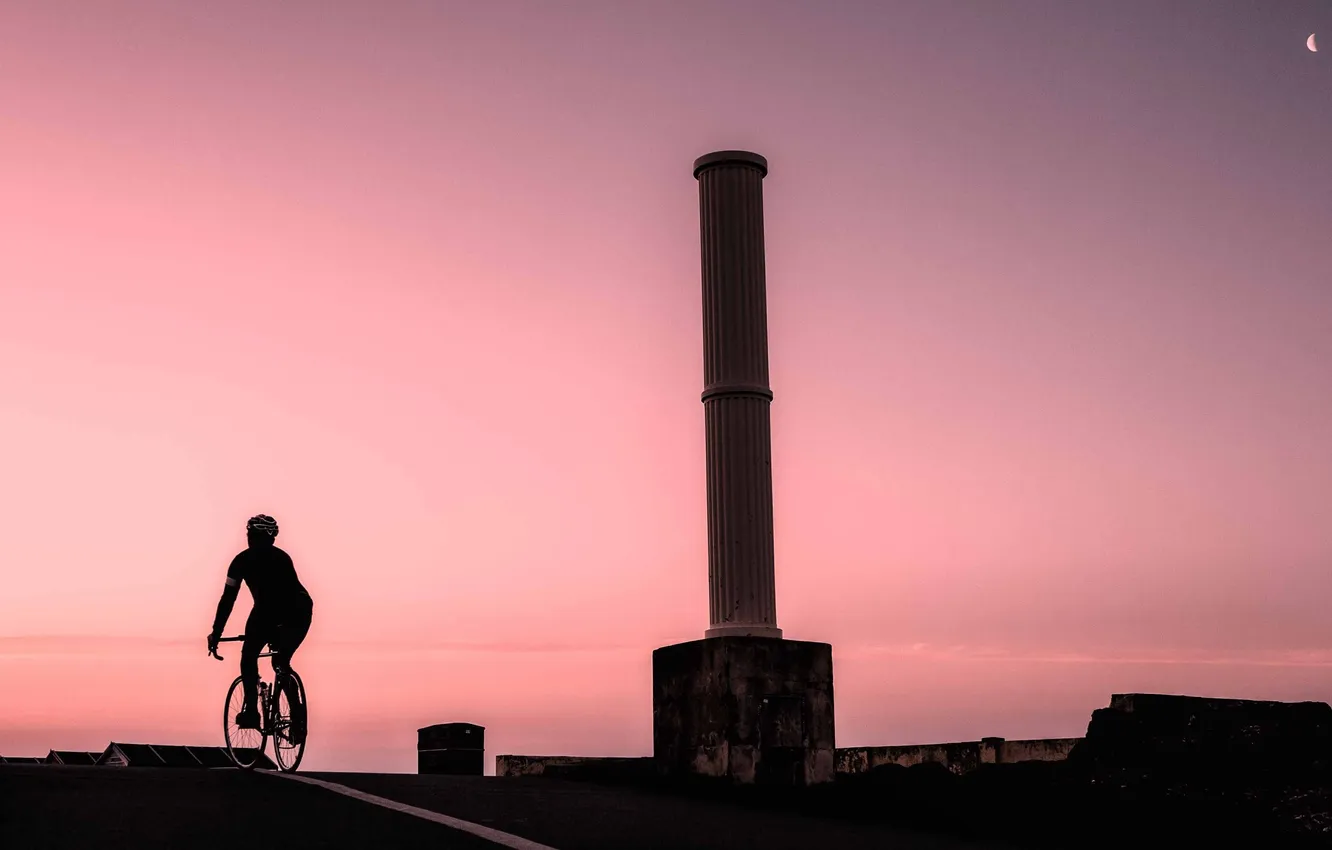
x: 1045, y: 804
x: 908, y: 808
x: 78, y: 807
x: 145, y: 808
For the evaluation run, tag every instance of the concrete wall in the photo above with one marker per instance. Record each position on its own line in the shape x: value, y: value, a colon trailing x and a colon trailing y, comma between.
x: 959, y: 757
x: 510, y: 765
x: 1037, y: 749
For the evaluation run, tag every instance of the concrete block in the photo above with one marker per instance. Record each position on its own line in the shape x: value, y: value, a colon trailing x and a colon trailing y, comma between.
x: 748, y: 709
x: 1153, y: 730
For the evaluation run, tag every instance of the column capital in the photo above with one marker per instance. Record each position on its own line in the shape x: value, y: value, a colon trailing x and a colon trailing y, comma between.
x: 715, y: 158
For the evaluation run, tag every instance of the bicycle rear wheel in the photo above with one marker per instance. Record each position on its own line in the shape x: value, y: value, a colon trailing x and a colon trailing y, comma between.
x: 245, y: 746
x: 292, y: 722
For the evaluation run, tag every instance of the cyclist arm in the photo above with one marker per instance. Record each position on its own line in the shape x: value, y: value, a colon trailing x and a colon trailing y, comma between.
x: 229, y: 591
x: 224, y: 605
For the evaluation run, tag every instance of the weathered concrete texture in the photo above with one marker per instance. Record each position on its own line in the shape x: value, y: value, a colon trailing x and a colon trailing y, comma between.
x: 959, y: 757
x: 749, y: 709
x: 456, y: 749
x: 1036, y: 749
x: 575, y: 766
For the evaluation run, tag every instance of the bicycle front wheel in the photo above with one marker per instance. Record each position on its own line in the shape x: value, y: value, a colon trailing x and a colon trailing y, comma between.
x: 290, y: 729
x: 245, y: 746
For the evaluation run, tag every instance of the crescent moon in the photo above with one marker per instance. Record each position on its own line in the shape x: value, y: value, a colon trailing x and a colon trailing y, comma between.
x: 1312, y: 44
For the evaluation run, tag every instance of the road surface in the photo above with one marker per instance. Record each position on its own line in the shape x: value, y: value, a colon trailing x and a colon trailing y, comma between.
x: 147, y: 808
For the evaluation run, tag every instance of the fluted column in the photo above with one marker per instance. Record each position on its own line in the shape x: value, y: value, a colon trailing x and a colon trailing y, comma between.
x: 736, y: 396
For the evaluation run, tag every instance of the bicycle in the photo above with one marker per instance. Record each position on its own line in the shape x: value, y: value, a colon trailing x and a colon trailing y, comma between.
x: 274, y: 722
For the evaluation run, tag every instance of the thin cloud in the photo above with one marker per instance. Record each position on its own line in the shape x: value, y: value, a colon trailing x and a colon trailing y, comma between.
x: 92, y: 645
x: 1265, y: 658
x: 46, y: 645
x: 404, y: 645
x: 97, y: 645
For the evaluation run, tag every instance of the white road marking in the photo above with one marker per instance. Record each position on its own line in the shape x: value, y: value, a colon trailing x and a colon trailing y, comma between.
x: 504, y: 839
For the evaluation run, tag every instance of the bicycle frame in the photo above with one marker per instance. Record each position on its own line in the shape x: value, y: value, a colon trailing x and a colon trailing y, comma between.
x: 267, y: 694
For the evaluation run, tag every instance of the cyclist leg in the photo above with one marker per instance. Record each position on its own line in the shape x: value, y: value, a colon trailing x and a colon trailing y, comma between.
x: 256, y: 635
x: 289, y: 636
x: 296, y: 625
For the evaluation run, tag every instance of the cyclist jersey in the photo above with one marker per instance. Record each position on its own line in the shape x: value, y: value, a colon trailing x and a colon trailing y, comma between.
x: 271, y: 577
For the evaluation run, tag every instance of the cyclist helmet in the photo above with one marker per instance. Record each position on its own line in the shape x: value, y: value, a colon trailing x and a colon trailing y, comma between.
x: 262, y: 523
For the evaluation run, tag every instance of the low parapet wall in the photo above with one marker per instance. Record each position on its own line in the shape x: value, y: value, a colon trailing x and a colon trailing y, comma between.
x: 572, y: 765
x: 531, y: 765
x: 1037, y: 749
x: 958, y: 757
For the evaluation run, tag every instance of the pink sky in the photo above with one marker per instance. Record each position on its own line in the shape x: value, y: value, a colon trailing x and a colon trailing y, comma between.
x: 1050, y: 325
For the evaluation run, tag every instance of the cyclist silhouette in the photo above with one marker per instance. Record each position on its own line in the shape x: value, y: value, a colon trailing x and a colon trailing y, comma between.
x: 280, y: 616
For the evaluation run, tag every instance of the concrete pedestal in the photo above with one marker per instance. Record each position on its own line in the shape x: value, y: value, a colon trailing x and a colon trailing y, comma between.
x: 748, y: 709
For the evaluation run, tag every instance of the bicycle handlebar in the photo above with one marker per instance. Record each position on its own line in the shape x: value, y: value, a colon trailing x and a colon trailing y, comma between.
x: 213, y: 652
